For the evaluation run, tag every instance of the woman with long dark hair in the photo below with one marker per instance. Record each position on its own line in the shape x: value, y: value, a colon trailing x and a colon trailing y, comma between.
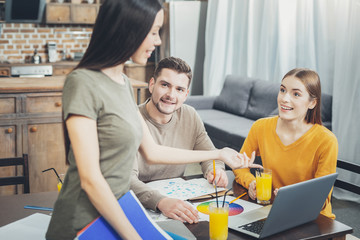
x: 104, y: 129
x: 294, y: 144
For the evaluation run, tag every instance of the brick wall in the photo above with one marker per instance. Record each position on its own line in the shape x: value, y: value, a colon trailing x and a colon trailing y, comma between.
x: 18, y: 40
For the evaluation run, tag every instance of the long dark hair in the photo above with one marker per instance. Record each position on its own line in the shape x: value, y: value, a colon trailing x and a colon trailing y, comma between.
x: 311, y: 81
x: 120, y: 28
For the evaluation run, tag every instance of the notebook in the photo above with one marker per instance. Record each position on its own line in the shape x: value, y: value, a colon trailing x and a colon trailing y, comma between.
x: 100, y: 229
x: 294, y: 205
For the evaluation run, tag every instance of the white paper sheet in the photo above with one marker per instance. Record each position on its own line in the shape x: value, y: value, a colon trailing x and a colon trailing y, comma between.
x: 183, y: 189
x: 31, y: 227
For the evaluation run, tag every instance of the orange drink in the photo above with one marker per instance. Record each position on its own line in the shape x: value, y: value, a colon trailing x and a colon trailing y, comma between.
x: 218, y: 225
x: 59, y: 185
x: 263, y: 185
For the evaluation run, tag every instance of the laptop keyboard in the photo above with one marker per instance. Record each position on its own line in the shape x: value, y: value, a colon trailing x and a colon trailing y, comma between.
x: 254, y: 227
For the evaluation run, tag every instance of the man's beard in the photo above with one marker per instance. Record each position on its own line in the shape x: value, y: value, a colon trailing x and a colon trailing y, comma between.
x: 157, y: 105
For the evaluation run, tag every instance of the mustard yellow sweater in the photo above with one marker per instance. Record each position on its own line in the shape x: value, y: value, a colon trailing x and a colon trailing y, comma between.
x: 313, y: 155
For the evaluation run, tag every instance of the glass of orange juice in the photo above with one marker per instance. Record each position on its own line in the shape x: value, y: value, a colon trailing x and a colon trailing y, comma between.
x: 263, y: 185
x: 218, y: 226
x: 59, y: 184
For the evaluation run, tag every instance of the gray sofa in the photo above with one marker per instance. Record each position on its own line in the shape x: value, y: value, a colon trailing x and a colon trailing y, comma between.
x: 229, y: 116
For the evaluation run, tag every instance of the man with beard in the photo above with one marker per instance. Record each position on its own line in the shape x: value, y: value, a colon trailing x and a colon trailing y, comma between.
x: 173, y: 124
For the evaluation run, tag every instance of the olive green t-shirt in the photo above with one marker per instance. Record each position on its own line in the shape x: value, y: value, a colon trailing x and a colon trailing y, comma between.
x: 94, y: 95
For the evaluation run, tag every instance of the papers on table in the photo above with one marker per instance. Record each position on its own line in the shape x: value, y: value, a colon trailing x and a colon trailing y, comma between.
x: 156, y: 216
x: 183, y: 189
x: 31, y: 227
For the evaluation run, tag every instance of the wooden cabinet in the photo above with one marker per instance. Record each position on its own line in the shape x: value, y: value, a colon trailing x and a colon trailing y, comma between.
x: 71, y: 13
x: 49, y: 103
x: 4, y: 71
x: 63, y: 68
x: 45, y: 147
x: 9, y: 135
x: 58, y: 71
x: 31, y: 123
x: 141, y: 73
x: 84, y: 13
x: 8, y: 139
x: 58, y: 13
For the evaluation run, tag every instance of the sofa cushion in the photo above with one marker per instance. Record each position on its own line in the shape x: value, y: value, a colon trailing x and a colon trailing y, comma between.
x: 326, y: 107
x: 229, y: 132
x: 201, y: 102
x: 234, y: 96
x: 213, y: 114
x: 263, y: 99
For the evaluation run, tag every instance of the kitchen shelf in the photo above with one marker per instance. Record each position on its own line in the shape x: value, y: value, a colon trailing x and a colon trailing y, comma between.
x: 71, y: 13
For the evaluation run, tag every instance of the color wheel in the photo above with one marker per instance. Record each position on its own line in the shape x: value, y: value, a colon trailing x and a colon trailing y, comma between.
x: 234, y: 208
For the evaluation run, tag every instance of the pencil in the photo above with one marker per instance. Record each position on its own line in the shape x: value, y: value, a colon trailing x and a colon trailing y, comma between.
x: 237, y: 198
x: 217, y: 202
x: 38, y: 208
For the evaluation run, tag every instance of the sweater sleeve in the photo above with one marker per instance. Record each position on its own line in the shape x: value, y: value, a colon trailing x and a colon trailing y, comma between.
x: 326, y: 165
x: 148, y: 197
x: 244, y: 176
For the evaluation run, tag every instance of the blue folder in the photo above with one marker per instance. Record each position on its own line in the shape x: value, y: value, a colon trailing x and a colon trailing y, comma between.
x: 135, y: 212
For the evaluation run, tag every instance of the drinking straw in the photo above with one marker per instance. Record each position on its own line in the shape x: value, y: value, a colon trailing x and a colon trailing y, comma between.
x: 55, y: 173
x: 217, y: 202
x: 225, y: 196
x: 214, y: 168
x: 237, y: 198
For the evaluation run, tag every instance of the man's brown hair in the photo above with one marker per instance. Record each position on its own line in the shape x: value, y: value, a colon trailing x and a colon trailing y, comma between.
x: 175, y: 64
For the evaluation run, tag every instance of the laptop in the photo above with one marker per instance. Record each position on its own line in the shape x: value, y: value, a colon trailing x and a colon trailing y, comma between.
x: 294, y: 205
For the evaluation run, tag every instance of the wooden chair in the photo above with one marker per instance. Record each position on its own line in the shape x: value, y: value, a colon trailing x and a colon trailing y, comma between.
x: 351, y: 167
x: 15, y: 180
